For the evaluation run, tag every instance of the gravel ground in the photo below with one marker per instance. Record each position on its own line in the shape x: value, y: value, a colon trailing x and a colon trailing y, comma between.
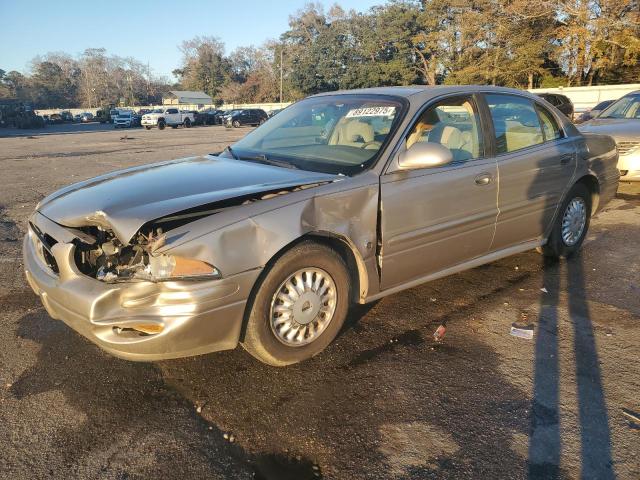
x: 384, y: 401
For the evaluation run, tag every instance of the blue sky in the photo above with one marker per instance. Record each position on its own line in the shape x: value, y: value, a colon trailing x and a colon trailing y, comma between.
x: 144, y: 29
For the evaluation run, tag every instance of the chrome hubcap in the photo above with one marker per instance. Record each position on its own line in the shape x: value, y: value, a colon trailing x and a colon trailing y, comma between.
x: 574, y: 221
x: 303, y: 307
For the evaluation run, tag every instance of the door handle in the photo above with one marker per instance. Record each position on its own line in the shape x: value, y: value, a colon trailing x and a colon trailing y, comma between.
x: 484, y: 179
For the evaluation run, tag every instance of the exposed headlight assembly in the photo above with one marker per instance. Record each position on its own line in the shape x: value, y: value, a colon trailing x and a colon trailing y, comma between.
x: 109, y: 261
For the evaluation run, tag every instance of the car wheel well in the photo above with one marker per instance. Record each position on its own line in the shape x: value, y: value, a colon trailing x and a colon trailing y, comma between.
x: 593, y: 186
x: 337, y: 244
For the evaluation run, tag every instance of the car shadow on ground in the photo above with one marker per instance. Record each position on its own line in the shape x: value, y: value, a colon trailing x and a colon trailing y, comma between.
x: 545, y: 444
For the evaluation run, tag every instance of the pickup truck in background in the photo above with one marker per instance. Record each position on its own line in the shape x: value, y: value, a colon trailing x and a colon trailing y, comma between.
x: 163, y: 117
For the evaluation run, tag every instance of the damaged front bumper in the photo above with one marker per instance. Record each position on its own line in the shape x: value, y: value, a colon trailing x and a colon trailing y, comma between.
x: 138, y: 320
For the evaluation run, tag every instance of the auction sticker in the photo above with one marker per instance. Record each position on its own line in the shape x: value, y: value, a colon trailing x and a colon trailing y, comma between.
x: 372, y: 112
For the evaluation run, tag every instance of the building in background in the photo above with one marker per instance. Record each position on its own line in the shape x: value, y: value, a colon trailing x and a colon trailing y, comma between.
x: 186, y: 97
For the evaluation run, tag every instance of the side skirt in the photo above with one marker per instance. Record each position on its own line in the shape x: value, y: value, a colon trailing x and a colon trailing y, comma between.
x: 476, y: 262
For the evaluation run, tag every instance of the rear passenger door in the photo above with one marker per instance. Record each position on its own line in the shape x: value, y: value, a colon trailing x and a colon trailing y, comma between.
x: 536, y: 162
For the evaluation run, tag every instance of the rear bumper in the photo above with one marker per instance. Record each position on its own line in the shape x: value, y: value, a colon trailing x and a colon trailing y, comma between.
x: 191, y: 318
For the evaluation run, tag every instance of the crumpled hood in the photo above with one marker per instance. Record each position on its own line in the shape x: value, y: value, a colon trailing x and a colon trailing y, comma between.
x: 127, y: 199
x: 619, y: 128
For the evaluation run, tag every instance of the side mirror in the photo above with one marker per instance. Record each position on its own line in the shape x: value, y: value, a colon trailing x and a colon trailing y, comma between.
x: 424, y: 155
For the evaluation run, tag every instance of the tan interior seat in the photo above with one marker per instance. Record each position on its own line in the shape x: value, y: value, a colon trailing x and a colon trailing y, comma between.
x: 519, y: 136
x: 352, y: 132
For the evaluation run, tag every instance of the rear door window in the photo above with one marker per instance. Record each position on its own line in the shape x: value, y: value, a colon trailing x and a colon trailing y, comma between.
x: 515, y: 122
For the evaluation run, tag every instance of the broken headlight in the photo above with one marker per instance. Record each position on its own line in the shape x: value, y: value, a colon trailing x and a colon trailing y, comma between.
x: 110, y: 261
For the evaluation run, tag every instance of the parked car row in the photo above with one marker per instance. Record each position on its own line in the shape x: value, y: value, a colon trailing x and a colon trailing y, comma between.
x: 173, y: 117
x: 66, y: 116
x: 163, y: 117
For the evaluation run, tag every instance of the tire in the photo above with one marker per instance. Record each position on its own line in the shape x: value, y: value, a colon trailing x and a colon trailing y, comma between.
x: 564, y: 246
x: 262, y: 120
x: 148, y: 127
x: 187, y: 123
x: 161, y: 124
x: 236, y: 124
x: 260, y: 338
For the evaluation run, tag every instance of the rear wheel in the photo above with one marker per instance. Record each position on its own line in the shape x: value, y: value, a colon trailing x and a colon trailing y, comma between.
x: 187, y: 123
x: 147, y: 127
x: 571, y: 225
x: 299, y: 307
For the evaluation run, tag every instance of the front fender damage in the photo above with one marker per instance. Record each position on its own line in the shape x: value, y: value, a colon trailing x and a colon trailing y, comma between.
x: 349, y: 216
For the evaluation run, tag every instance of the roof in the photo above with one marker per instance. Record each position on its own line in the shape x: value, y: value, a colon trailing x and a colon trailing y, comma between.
x: 427, y: 91
x: 190, y: 94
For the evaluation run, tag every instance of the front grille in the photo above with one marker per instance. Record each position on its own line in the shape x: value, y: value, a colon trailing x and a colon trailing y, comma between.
x: 627, y: 147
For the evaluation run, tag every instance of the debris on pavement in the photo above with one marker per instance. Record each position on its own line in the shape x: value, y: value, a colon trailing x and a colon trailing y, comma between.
x: 544, y: 290
x: 631, y: 414
x: 522, y: 331
x: 440, y: 332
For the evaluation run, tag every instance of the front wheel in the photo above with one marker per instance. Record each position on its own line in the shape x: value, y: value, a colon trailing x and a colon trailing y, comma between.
x: 147, y: 127
x: 571, y: 225
x: 161, y: 124
x: 300, y: 306
x: 236, y: 124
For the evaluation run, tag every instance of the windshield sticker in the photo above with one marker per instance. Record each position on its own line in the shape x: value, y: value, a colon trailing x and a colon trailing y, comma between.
x: 372, y: 112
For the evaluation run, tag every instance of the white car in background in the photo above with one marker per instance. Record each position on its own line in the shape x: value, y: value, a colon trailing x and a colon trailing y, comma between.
x: 126, y: 119
x: 163, y: 117
x: 621, y: 120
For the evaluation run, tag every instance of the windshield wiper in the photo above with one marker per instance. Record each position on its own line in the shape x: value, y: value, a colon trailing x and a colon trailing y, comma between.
x: 230, y: 150
x: 262, y: 158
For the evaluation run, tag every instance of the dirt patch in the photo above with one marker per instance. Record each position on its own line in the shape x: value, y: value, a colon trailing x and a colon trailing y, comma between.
x: 416, y: 444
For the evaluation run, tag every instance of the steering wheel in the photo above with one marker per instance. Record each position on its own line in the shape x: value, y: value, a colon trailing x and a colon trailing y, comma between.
x: 366, y: 144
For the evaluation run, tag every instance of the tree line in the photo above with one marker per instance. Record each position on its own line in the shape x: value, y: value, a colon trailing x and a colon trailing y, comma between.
x: 58, y: 80
x: 519, y: 43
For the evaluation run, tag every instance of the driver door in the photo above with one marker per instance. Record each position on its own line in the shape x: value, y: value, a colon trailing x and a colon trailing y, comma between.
x: 436, y: 218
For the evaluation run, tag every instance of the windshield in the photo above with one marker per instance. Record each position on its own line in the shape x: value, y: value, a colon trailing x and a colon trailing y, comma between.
x: 339, y: 134
x: 157, y: 110
x: 627, y: 107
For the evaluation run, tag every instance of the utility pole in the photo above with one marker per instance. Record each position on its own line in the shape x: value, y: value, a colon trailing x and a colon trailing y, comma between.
x: 281, y: 56
x: 148, y: 79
